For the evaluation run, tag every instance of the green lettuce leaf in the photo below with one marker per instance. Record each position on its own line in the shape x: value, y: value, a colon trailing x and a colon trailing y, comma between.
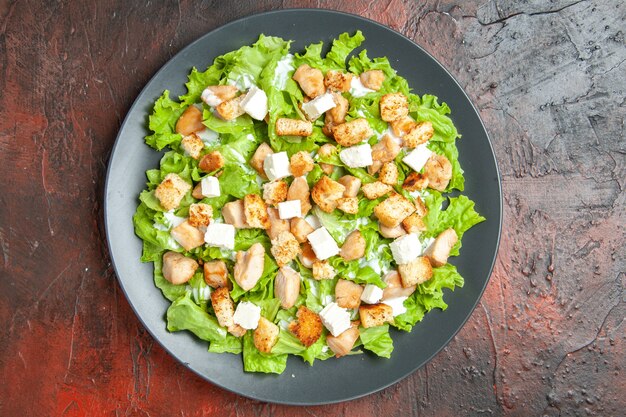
x: 230, y: 344
x: 255, y: 361
x: 162, y: 122
x: 184, y: 314
x: 377, y: 340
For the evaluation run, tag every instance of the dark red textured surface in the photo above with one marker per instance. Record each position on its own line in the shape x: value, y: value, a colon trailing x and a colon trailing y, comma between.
x: 547, y: 337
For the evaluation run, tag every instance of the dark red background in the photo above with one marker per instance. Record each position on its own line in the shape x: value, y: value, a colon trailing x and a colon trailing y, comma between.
x: 547, y: 337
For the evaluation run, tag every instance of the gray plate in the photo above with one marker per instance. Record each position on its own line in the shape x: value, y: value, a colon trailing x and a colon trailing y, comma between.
x: 332, y: 380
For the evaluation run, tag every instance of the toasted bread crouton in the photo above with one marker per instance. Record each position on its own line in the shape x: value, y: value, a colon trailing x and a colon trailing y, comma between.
x: 171, y: 191
x: 277, y: 225
x: 275, y: 192
x: 301, y: 163
x: 308, y: 327
x: 353, y: 247
x: 394, y: 288
x: 187, y: 236
x: 231, y: 109
x: 311, y: 80
x: 300, y: 228
x: 255, y: 211
x: 384, y: 151
x: 348, y: 205
x: 372, y: 79
x: 402, y: 125
x: 420, y: 133
x: 219, y: 93
x: 177, y: 268
x: 223, y: 306
x: 438, y: 171
x: 233, y: 213
x: 415, y: 182
x: 215, y: 274
x: 342, y: 345
x: 373, y: 315
x: 190, y: 121
x: 415, y: 272
x: 249, y: 266
x: 200, y: 214
x: 299, y: 190
x: 326, y: 193
x: 338, y: 113
x: 285, y: 248
x: 265, y: 335
x: 439, y: 250
x: 388, y: 173
x: 338, y: 81
x: 348, y: 294
x: 323, y: 270
x: 393, y: 210
x: 287, y: 287
x: 414, y: 224
x: 393, y: 106
x: 293, y: 127
x: 391, y: 232
x: 307, y: 256
x: 192, y: 145
x: 211, y: 162
x: 376, y: 189
x: 352, y: 132
x: 352, y: 184
x: 420, y: 207
x: 258, y: 159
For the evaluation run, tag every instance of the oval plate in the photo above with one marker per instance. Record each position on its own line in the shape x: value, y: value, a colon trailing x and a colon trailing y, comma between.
x: 332, y: 380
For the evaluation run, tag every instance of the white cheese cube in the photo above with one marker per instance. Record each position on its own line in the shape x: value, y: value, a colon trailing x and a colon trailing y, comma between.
x: 371, y: 294
x: 418, y: 157
x: 276, y: 166
x: 336, y: 319
x: 323, y: 244
x: 406, y: 248
x: 289, y: 209
x: 209, y: 97
x: 357, y: 89
x: 357, y: 156
x: 255, y: 103
x: 247, y: 315
x: 318, y: 106
x: 220, y: 235
x: 397, y: 305
x: 210, y: 186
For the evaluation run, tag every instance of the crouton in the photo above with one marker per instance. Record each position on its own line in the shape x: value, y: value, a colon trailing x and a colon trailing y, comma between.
x: 231, y: 109
x: 373, y: 79
x: 439, y: 250
x: 258, y: 159
x: 353, y: 132
x: 287, y: 286
x: 420, y: 133
x: 415, y: 272
x: 311, y: 80
x: 233, y: 213
x: 394, y: 288
x: 299, y: 190
x: 307, y: 256
x: 384, y: 151
x: 402, y: 125
x: 215, y: 274
x: 171, y: 191
x: 326, y: 193
x: 388, y: 173
x: 375, y: 315
x: 219, y: 93
x: 348, y: 205
x: 192, y: 145
x: 323, y: 270
x: 187, y: 236
x: 326, y: 151
x: 300, y: 228
x: 352, y: 184
x: 338, y: 81
x: 414, y: 224
x: 393, y: 106
x: 393, y: 210
x: 342, y: 345
x: 265, y: 335
x: 301, y: 163
x: 275, y: 192
x: 308, y: 327
x: 348, y: 294
x: 285, y: 248
x: 223, y: 306
x: 211, y: 162
x: 415, y: 182
x: 277, y: 225
x: 376, y: 189
x: 177, y: 268
x: 420, y: 207
x: 255, y: 211
x: 249, y: 266
x: 353, y: 247
x: 438, y: 171
x: 293, y: 127
x: 190, y: 121
x: 391, y: 232
x: 200, y: 214
x: 337, y: 115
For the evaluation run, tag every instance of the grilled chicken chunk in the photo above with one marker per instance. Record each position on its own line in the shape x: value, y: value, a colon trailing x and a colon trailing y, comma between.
x: 249, y: 266
x: 177, y: 268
